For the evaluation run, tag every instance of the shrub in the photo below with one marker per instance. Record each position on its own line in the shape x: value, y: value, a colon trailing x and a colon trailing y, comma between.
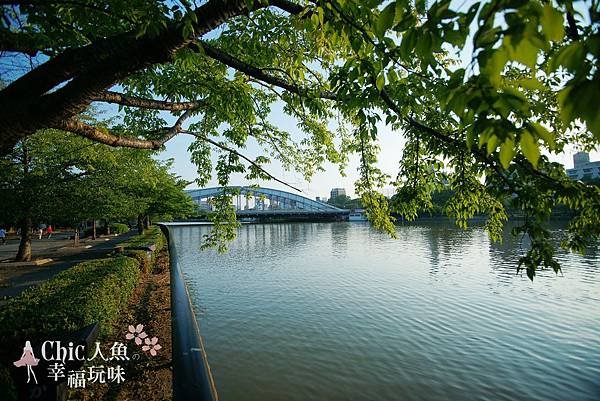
x: 152, y: 236
x: 118, y: 228
x: 7, y: 386
x: 142, y: 257
x: 97, y: 290
x: 100, y: 230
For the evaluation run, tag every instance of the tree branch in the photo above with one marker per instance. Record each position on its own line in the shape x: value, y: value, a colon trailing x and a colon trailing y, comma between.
x: 31, y: 103
x: 25, y: 43
x: 104, y: 136
x: 235, y: 152
x: 258, y: 73
x: 287, y: 6
x: 134, y: 101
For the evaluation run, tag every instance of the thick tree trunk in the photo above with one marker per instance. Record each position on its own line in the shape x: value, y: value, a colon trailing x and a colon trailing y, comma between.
x: 140, y: 224
x: 93, y: 229
x: 107, y: 225
x: 24, y: 252
x: 146, y: 222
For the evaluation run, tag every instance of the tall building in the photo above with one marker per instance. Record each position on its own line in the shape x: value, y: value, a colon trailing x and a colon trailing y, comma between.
x: 335, y: 192
x: 583, y: 169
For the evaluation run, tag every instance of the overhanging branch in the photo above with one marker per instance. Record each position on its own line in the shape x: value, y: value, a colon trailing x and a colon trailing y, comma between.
x: 259, y: 73
x: 104, y: 136
x: 134, y: 101
x: 235, y: 152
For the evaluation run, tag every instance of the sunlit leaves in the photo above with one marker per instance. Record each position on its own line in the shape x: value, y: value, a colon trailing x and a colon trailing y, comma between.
x: 482, y: 122
x: 521, y: 49
x: 507, y: 152
x: 530, y: 147
x: 385, y: 20
x: 552, y: 23
x: 576, y: 102
x: 570, y: 57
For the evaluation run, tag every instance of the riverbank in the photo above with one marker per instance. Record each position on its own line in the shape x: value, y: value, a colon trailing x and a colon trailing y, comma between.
x: 148, y: 377
x: 126, y: 289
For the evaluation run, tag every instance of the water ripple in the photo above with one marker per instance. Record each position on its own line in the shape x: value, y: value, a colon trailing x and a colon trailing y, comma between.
x: 341, y: 312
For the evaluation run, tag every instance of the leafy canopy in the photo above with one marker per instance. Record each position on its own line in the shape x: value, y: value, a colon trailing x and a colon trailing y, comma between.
x: 483, y: 93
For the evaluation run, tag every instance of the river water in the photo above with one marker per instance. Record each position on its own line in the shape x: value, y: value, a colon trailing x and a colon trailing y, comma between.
x: 337, y: 311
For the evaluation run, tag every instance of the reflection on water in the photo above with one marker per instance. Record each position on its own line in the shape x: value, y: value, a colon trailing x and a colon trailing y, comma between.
x: 337, y: 311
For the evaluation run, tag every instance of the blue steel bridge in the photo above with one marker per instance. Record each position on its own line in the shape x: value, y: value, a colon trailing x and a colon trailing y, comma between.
x: 265, y: 202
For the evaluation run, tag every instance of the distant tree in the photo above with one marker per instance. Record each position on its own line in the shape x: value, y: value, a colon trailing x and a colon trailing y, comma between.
x: 345, y: 202
x: 35, y: 177
x: 55, y: 176
x: 163, y: 196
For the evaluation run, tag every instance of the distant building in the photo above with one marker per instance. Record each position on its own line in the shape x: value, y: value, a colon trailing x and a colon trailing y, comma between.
x: 583, y: 169
x: 321, y: 199
x: 335, y: 192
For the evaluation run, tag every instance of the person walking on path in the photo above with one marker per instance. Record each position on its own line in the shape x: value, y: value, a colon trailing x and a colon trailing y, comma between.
x: 2, y: 235
x: 41, y: 228
x: 49, y: 231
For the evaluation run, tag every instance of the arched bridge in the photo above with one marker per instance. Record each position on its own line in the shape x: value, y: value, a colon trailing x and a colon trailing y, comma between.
x: 257, y: 202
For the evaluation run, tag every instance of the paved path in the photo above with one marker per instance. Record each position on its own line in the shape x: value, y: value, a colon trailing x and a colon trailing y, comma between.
x: 16, y: 279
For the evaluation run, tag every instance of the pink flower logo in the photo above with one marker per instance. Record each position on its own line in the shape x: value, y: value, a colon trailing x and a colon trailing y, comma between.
x: 152, y: 345
x: 138, y: 333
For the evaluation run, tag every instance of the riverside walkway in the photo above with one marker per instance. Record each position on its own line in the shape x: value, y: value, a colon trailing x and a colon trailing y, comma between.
x: 15, y: 279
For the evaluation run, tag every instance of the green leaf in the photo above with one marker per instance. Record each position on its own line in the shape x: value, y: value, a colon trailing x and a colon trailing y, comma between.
x: 543, y: 133
x: 385, y: 20
x: 530, y: 83
x: 400, y: 10
x: 486, y: 38
x: 471, y: 134
x: 492, y: 144
x: 507, y: 152
x: 392, y: 76
x: 521, y: 50
x: 423, y: 48
x: 576, y: 102
x: 570, y: 57
x: 530, y: 147
x: 552, y: 23
x: 380, y: 82
x: 566, y: 105
x: 492, y: 64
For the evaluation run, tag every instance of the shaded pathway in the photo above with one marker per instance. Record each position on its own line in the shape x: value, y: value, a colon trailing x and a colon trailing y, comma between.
x: 64, y: 258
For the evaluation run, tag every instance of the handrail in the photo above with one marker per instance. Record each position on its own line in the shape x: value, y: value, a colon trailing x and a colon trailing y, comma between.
x: 192, y: 379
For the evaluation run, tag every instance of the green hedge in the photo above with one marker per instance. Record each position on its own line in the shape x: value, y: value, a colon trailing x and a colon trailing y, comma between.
x: 118, y: 228
x: 97, y: 290
x: 7, y: 385
x: 152, y: 236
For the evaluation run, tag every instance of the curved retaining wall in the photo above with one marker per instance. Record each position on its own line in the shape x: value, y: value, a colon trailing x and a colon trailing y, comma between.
x: 192, y: 379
